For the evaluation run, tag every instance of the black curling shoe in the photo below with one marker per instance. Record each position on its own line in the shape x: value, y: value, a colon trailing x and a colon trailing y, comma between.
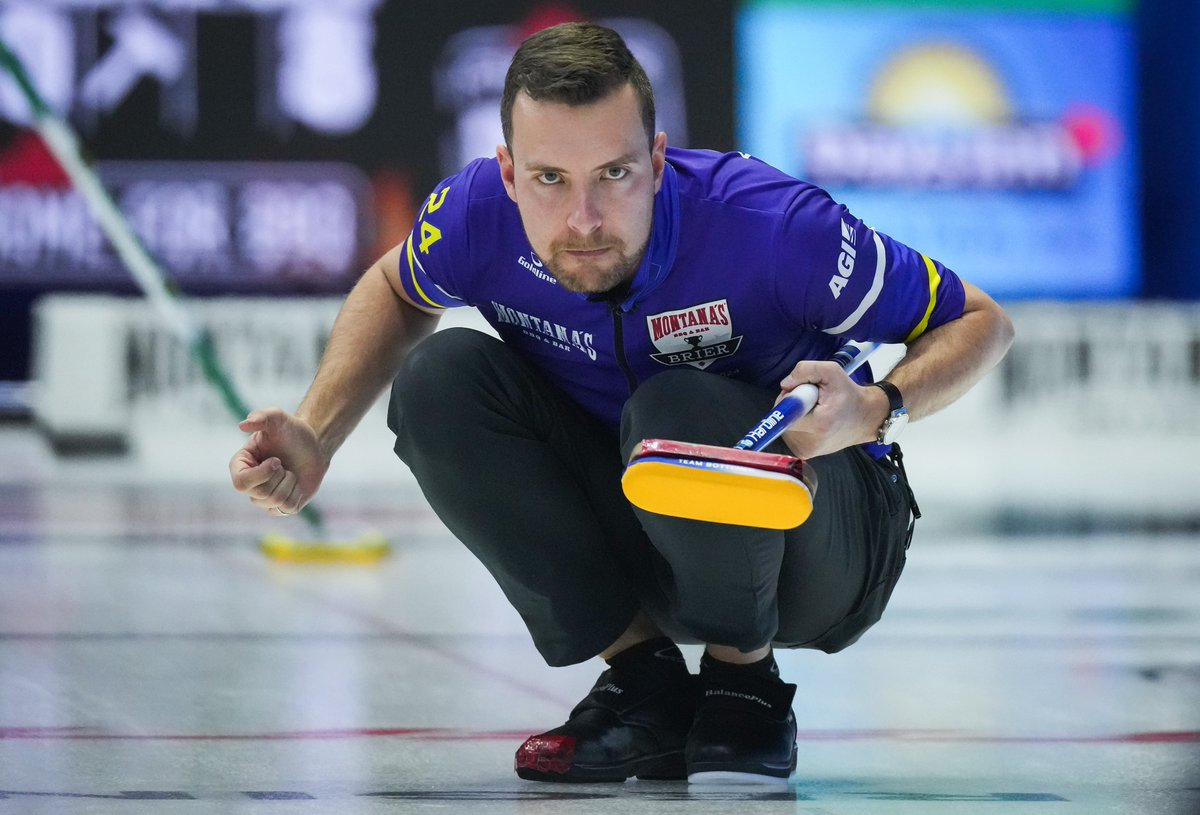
x: 627, y: 726
x: 744, y: 731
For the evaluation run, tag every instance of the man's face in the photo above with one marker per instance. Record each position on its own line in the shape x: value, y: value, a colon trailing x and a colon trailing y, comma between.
x: 584, y: 181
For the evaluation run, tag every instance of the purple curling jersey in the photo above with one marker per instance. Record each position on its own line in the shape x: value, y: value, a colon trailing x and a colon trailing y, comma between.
x: 747, y: 271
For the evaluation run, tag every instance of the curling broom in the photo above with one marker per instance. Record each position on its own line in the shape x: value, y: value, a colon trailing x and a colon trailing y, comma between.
x: 737, y: 485
x: 163, y: 296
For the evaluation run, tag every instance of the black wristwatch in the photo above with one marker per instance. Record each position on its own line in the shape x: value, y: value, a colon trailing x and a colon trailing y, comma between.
x: 897, y: 417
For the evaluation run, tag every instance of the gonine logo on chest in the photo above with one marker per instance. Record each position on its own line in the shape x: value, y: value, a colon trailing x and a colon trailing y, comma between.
x: 534, y: 264
x: 697, y: 335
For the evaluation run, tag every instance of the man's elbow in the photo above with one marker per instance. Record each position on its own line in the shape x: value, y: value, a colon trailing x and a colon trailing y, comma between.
x: 994, y: 327
x: 1003, y: 332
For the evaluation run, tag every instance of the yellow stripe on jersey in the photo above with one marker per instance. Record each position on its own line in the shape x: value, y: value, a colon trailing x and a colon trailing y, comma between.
x: 413, y: 263
x: 935, y: 280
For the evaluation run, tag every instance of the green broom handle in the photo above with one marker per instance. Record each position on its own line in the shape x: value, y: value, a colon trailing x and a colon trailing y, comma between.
x: 148, y: 274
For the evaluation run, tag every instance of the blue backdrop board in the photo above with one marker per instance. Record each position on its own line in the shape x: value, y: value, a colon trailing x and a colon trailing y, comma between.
x: 1000, y: 140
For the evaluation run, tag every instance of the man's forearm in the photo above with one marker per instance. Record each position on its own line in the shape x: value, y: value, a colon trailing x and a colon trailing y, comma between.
x: 373, y: 332
x: 945, y: 363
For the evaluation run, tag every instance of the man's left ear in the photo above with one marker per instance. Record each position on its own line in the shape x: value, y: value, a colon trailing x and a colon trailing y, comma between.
x: 658, y: 158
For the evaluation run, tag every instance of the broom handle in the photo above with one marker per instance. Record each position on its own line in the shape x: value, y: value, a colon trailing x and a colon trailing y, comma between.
x: 148, y: 274
x: 801, y: 400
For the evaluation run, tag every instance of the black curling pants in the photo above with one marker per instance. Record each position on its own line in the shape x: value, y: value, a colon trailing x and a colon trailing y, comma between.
x: 530, y: 483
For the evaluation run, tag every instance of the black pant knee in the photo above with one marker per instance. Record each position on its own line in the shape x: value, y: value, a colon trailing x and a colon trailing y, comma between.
x: 693, y: 406
x: 432, y: 376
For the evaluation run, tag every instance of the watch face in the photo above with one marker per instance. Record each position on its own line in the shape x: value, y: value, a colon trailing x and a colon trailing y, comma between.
x: 893, y: 426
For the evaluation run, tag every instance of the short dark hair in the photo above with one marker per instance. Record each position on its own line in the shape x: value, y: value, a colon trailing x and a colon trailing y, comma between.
x: 576, y: 64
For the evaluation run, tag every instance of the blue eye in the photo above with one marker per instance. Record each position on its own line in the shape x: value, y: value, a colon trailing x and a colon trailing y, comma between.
x: 616, y: 173
x: 548, y: 178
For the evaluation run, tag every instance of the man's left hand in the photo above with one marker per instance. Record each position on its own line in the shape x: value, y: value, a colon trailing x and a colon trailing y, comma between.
x: 846, y: 413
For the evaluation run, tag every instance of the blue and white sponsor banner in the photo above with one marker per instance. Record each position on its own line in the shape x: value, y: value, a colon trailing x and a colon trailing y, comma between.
x: 1000, y: 143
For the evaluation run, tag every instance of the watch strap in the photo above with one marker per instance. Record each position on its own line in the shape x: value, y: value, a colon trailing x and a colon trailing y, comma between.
x: 895, y: 399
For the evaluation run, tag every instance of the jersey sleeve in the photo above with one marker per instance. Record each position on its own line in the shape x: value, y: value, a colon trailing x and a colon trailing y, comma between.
x: 434, y: 256
x: 837, y: 275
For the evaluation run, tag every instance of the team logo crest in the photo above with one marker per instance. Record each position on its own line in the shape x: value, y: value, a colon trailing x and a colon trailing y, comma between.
x: 697, y: 335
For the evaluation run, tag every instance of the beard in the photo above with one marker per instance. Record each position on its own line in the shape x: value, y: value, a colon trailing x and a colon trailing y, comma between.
x: 593, y: 276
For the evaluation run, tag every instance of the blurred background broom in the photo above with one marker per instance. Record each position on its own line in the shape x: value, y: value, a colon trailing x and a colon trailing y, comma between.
x: 165, y: 298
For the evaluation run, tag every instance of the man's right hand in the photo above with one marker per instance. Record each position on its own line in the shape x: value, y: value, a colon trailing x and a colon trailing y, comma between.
x: 282, y: 464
